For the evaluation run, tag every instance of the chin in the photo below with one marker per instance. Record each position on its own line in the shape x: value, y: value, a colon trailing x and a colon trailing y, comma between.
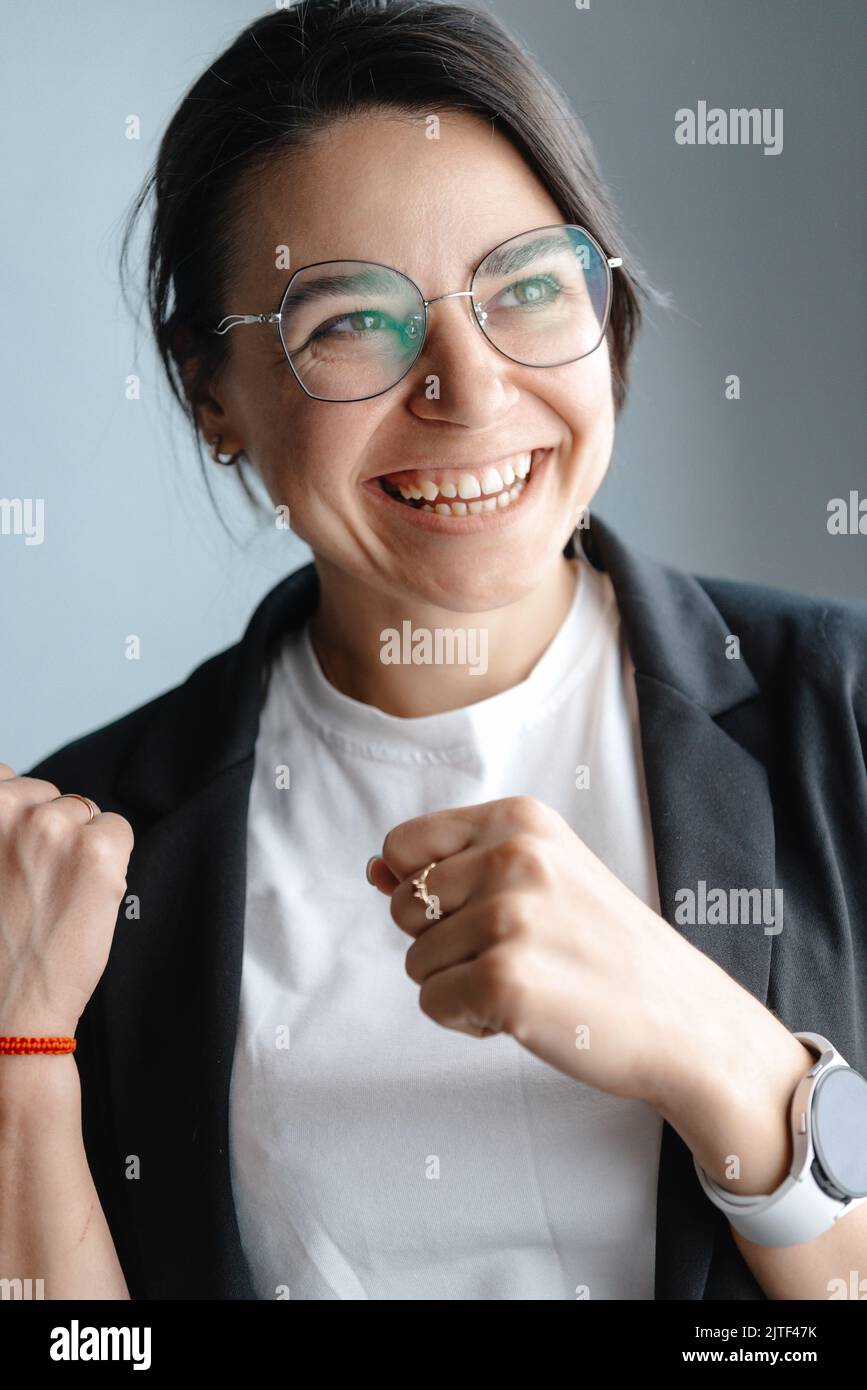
x: 487, y: 581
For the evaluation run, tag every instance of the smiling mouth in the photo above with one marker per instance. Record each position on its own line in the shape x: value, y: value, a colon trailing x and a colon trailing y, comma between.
x: 464, y: 492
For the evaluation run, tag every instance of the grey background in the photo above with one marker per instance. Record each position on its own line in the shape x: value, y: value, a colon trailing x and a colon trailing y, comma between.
x: 761, y: 254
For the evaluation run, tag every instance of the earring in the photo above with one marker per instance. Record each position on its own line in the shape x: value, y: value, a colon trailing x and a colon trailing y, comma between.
x: 222, y: 458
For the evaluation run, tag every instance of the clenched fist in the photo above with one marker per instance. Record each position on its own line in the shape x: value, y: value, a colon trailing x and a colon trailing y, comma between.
x: 62, y: 878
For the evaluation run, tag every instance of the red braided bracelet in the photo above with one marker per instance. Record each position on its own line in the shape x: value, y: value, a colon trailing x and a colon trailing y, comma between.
x: 37, y: 1045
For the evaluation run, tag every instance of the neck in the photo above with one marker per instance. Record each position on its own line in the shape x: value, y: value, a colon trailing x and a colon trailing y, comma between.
x: 365, y: 641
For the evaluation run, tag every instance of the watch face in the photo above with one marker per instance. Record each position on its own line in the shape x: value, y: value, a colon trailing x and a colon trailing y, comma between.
x: 839, y: 1115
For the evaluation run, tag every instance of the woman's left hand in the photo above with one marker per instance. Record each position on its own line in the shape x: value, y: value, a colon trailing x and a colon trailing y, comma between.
x: 540, y: 940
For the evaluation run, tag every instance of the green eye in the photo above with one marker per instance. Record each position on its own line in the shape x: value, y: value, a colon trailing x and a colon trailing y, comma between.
x: 361, y: 321
x: 540, y: 289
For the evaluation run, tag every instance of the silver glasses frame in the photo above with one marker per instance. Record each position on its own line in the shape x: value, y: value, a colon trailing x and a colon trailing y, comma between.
x: 275, y: 315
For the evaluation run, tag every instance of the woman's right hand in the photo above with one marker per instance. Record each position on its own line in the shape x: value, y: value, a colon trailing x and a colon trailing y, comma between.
x: 62, y: 879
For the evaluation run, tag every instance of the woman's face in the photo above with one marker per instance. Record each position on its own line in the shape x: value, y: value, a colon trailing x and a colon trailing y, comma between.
x: 377, y: 188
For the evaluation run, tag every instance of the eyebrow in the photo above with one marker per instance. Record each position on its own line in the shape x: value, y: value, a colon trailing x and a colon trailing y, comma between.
x: 370, y: 279
x: 506, y: 259
x: 503, y: 261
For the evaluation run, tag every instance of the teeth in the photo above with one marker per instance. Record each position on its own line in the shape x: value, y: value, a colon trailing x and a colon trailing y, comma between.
x: 483, y: 504
x: 497, y: 488
x: 491, y: 481
x: 468, y: 485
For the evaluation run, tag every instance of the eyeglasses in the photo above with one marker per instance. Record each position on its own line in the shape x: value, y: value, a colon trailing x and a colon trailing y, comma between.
x: 351, y: 330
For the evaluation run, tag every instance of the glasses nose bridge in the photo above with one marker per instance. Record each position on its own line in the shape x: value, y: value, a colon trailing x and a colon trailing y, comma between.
x: 479, y: 314
x: 453, y: 294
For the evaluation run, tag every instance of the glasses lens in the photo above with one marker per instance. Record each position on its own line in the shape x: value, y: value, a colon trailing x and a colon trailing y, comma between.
x: 351, y: 329
x: 544, y: 296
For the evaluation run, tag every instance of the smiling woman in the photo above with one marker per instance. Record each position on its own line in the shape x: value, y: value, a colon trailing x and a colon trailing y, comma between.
x: 385, y: 278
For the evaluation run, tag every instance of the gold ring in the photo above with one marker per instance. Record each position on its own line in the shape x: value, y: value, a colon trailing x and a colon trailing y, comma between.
x: 420, y: 884
x: 91, y: 805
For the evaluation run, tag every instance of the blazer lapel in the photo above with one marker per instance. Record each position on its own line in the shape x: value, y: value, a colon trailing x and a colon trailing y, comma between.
x: 170, y: 994
x: 712, y: 820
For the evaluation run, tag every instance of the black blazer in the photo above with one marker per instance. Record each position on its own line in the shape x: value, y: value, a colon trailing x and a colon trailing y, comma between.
x: 755, y: 770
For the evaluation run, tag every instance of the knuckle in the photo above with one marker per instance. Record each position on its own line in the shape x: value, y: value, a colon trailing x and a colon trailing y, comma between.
x: 502, y: 979
x: 48, y: 826
x: 427, y: 999
x: 498, y: 918
x: 507, y: 921
x: 121, y: 829
x: 520, y: 857
x: 411, y: 966
x: 528, y: 813
x: 98, y: 852
x: 46, y: 790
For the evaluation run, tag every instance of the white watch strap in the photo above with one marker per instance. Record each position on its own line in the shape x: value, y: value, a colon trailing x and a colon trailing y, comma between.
x: 799, y: 1210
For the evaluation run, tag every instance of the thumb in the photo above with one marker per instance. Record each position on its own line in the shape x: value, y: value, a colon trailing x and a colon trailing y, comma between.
x: 379, y: 874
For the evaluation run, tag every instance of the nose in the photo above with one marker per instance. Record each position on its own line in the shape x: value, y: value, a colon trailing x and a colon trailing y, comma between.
x: 459, y: 375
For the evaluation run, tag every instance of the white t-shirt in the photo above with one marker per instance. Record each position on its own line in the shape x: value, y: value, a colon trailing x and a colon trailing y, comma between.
x: 375, y: 1154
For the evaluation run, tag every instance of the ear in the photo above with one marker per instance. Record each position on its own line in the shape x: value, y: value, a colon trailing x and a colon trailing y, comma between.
x: 208, y: 411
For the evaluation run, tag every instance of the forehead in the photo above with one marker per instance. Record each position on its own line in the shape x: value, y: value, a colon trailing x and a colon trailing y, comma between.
x: 429, y: 195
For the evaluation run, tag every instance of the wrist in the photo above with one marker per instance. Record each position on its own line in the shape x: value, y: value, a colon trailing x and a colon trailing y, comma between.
x: 730, y: 1098
x: 31, y: 1082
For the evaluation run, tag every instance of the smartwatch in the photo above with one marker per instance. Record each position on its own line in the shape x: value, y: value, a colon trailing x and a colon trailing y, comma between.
x: 828, y: 1175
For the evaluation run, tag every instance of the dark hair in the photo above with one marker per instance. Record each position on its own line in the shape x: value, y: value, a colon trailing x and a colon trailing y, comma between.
x: 285, y: 77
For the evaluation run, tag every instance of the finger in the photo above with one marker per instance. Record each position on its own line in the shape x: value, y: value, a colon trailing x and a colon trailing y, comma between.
x: 114, y: 828
x: 6, y: 771
x: 106, y: 824
x: 437, y: 835
x: 458, y: 999
x: 449, y: 885
x: 449, y: 942
x: 380, y: 875
x: 72, y: 810
x: 475, y: 875
x: 30, y: 789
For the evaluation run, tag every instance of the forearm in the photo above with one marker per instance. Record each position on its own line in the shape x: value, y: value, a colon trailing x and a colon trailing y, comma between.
x: 829, y: 1266
x: 52, y: 1226
x: 733, y: 1114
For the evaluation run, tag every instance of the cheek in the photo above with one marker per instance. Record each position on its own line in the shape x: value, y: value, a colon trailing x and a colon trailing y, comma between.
x: 306, y: 461
x: 590, y: 390
x: 300, y: 453
x: 582, y: 396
